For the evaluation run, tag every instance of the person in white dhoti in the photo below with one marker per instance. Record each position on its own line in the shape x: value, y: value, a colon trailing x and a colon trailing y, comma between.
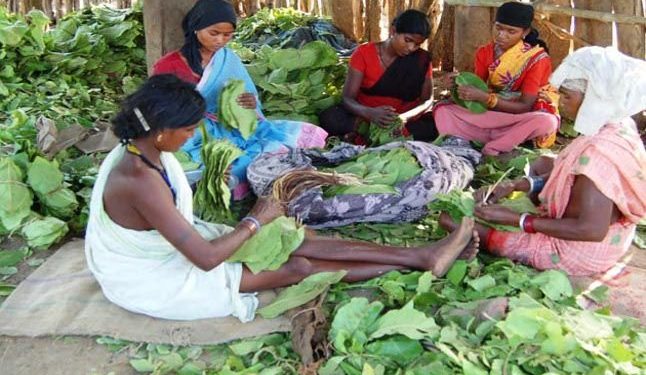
x: 151, y: 256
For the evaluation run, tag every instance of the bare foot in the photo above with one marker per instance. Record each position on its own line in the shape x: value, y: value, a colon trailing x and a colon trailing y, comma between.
x: 469, y: 253
x: 440, y: 256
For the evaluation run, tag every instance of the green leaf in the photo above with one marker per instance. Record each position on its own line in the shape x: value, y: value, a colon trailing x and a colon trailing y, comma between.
x: 301, y: 293
x: 41, y: 234
x: 232, y: 114
x: 245, y: 347
x: 142, y: 365
x: 406, y: 321
x: 6, y: 289
x: 482, y: 283
x: 353, y: 323
x: 399, y: 349
x: 469, y: 368
x: 554, y: 284
x: 468, y: 78
x: 457, y: 272
x: 44, y: 176
x: 10, y: 258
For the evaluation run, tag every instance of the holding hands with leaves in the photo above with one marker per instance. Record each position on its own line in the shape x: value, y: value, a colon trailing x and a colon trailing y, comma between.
x: 247, y: 100
x: 266, y: 210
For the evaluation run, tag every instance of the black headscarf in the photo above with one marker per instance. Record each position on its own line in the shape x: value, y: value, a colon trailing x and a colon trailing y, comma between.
x: 520, y: 15
x: 203, y: 14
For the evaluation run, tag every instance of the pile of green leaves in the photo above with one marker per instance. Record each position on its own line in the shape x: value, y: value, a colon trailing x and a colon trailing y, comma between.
x: 295, y: 83
x: 40, y: 187
x: 271, y: 247
x: 74, y: 73
x: 469, y: 79
x: 265, y: 24
x: 232, y: 114
x: 213, y: 196
x: 379, y: 171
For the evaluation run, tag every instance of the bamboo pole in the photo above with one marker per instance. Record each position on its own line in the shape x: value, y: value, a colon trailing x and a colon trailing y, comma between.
x: 552, y: 9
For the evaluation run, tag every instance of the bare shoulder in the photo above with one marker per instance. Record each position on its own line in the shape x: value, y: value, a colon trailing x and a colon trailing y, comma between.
x: 130, y: 189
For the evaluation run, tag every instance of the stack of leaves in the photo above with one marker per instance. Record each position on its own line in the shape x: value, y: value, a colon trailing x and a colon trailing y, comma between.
x: 461, y: 203
x: 45, y: 181
x: 378, y: 135
x: 264, y: 25
x: 469, y: 79
x: 379, y: 171
x: 73, y: 74
x: 270, y: 248
x: 297, y: 84
x: 213, y: 196
x: 232, y: 114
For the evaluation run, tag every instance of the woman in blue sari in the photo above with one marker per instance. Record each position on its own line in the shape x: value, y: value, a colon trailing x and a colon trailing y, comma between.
x: 206, y: 61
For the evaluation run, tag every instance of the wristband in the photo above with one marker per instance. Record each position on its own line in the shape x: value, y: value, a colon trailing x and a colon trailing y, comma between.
x: 255, y: 224
x: 521, y: 221
x: 492, y: 100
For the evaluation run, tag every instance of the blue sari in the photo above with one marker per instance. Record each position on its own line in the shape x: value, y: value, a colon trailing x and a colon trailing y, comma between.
x: 270, y: 135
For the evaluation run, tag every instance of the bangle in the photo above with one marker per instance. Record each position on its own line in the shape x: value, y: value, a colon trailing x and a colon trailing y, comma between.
x: 531, y: 181
x: 521, y: 221
x: 528, y: 225
x: 539, y: 183
x: 254, y: 224
x: 492, y: 100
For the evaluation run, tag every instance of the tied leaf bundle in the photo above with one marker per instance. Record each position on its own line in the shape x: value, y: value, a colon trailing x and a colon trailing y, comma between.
x: 212, y: 197
x: 379, y: 172
x: 232, y: 114
x: 270, y: 248
x: 469, y: 79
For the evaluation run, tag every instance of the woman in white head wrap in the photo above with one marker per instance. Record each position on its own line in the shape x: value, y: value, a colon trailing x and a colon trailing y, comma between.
x: 594, y: 194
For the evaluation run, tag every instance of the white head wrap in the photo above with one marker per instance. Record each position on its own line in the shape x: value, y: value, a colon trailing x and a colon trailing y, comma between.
x: 616, y: 86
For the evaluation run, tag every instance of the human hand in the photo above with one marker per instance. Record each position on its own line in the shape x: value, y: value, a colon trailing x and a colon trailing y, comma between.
x: 497, y: 214
x: 468, y: 92
x: 487, y: 195
x: 382, y: 115
x: 247, y: 100
x: 267, y: 209
x: 448, y: 80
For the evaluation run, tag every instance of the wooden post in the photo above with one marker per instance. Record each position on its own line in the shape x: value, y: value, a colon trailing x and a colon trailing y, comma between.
x: 473, y: 28
x: 346, y: 15
x: 446, y: 47
x: 163, y: 27
x: 631, y: 37
x: 594, y: 32
x: 373, y: 20
x: 558, y: 48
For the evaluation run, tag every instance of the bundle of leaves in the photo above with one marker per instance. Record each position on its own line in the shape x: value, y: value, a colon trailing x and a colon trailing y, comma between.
x: 459, y: 204
x: 270, y: 248
x: 213, y: 196
x: 469, y: 79
x: 232, y: 114
x: 295, y: 83
x: 41, y: 179
x: 74, y: 73
x: 378, y: 135
x: 379, y: 172
x: 262, y: 27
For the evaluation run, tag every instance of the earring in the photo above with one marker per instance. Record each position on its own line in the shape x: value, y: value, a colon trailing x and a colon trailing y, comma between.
x: 160, y: 136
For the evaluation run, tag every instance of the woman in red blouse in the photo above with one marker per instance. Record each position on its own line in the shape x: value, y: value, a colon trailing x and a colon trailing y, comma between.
x: 388, y: 79
x: 522, y: 105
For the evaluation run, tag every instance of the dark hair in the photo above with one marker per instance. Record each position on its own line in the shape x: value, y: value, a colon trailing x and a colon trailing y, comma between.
x: 203, y: 14
x: 412, y: 21
x: 164, y: 101
x: 533, y: 38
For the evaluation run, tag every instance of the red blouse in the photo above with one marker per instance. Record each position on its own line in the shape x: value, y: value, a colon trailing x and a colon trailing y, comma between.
x: 366, y: 60
x: 532, y: 79
x: 175, y: 63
